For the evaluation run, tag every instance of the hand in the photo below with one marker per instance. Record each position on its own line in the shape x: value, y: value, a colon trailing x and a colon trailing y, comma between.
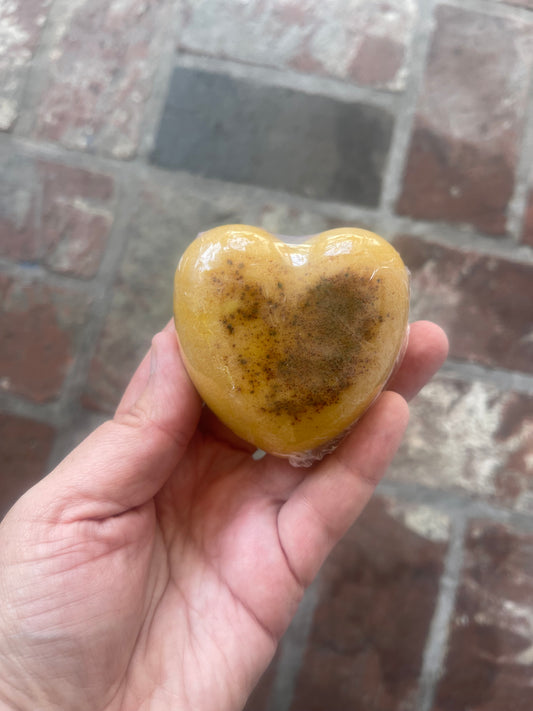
x: 159, y: 564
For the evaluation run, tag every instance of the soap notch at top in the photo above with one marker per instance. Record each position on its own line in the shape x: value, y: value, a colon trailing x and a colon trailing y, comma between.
x: 289, y: 343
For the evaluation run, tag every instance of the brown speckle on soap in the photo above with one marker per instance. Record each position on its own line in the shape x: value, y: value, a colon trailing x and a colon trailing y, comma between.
x: 307, y: 351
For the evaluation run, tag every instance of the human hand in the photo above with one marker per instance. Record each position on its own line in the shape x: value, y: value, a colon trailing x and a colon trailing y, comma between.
x: 158, y: 565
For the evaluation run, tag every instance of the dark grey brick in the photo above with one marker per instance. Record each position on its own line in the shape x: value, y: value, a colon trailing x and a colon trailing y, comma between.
x: 236, y: 130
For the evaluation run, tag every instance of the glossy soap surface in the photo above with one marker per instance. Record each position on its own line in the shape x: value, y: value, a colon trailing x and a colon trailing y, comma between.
x: 289, y: 343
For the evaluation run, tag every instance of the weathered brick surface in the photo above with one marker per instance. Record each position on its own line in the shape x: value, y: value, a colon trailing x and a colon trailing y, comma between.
x: 233, y: 129
x: 100, y: 75
x: 76, y: 218
x: 489, y: 661
x: 21, y: 24
x: 483, y: 302
x: 365, y: 41
x: 464, y: 147
x: 473, y: 438
x: 159, y: 230
x: 24, y: 449
x: 378, y: 593
x: 55, y: 215
x: 39, y: 328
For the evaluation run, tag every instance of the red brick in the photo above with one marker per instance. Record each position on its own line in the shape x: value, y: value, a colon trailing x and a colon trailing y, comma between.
x: 482, y: 302
x: 470, y: 114
x: 377, y: 597
x: 55, y: 215
x: 489, y: 661
x: 25, y: 446
x: 21, y: 23
x: 471, y: 438
x: 39, y: 326
x: 100, y: 76
x: 164, y: 222
x: 75, y: 219
x: 364, y: 41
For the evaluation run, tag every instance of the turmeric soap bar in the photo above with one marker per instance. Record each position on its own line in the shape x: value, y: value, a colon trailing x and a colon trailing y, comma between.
x: 288, y: 343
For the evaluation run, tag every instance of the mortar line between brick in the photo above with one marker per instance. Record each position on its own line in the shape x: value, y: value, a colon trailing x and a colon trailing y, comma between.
x: 331, y: 87
x: 455, y: 236
x: 293, y: 649
x: 405, y: 118
x: 495, y: 8
x: 435, y: 651
x: 30, y: 270
x: 455, y: 501
x: 167, y: 32
x: 506, y: 380
x: 519, y: 200
x: 460, y: 237
x: 47, y: 413
x: 69, y: 406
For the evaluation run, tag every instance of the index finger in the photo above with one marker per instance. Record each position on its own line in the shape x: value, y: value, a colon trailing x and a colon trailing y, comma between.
x: 426, y: 352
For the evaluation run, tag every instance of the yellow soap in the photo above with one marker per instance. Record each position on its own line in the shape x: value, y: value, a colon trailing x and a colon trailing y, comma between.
x: 289, y: 342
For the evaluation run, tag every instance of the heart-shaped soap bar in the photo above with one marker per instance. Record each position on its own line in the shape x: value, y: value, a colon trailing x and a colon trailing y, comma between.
x: 289, y: 343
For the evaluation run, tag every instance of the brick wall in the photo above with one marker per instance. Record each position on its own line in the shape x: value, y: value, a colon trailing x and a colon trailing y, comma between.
x: 127, y: 127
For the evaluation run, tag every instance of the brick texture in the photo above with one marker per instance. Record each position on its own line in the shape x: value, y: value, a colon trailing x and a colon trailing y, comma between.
x: 527, y: 233
x: 378, y: 592
x: 55, y: 215
x: 24, y: 449
x: 39, y: 330
x: 483, y: 302
x: 100, y: 76
x: 21, y: 24
x: 233, y: 129
x: 489, y: 662
x: 293, y: 115
x: 160, y: 228
x: 364, y: 41
x: 473, y: 438
x: 464, y: 147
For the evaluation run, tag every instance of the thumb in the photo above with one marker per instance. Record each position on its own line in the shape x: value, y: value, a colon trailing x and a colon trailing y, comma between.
x: 125, y: 461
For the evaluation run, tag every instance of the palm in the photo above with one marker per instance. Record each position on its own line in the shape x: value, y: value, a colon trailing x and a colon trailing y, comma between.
x: 160, y: 564
x: 222, y: 572
x: 190, y: 580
